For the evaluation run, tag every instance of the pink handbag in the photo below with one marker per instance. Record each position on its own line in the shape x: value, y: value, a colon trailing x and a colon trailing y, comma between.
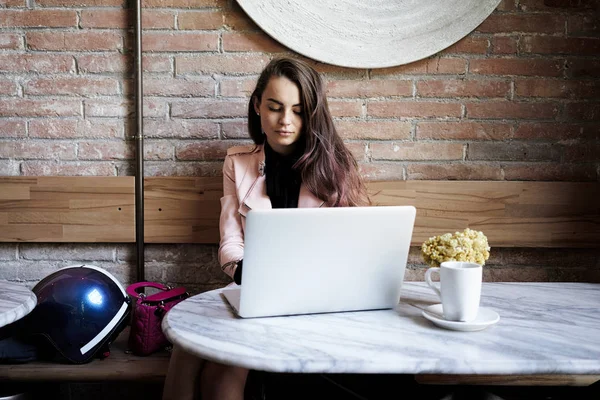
x: 146, y: 335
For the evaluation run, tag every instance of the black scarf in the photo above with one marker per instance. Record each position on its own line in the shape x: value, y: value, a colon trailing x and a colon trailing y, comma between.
x: 283, y: 182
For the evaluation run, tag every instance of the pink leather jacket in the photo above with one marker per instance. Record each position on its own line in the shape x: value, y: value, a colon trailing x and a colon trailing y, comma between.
x: 244, y: 189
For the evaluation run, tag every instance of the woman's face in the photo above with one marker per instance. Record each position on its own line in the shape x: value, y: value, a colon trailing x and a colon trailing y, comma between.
x: 281, y: 114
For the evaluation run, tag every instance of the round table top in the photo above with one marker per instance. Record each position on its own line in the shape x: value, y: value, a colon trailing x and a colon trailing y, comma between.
x: 16, y: 301
x: 541, y: 330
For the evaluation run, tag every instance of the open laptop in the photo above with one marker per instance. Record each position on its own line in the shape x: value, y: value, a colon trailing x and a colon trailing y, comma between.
x: 320, y: 260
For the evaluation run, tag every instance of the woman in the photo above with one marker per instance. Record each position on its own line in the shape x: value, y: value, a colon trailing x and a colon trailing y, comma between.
x: 298, y: 160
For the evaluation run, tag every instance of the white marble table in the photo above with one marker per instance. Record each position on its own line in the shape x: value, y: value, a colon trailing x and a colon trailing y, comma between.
x: 544, y: 328
x: 16, y: 301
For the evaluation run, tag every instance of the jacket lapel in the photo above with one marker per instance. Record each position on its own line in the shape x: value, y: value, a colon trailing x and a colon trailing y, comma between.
x: 256, y: 197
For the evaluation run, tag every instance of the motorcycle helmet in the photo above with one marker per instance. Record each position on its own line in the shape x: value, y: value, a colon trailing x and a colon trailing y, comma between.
x: 80, y: 310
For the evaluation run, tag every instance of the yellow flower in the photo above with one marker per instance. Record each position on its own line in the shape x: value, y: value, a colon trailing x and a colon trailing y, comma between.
x: 468, y: 246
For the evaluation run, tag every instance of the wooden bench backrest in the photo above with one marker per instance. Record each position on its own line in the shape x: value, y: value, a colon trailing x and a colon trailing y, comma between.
x: 186, y: 210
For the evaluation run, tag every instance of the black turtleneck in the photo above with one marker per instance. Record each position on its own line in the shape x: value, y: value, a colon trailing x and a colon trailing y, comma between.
x: 283, y: 182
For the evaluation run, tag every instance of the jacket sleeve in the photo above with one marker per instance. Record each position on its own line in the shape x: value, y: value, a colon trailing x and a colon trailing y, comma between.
x: 231, y: 247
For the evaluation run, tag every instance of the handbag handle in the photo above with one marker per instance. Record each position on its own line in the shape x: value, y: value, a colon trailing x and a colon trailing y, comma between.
x: 166, y: 293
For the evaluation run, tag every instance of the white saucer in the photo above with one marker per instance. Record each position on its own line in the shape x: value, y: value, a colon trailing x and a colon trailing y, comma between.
x: 485, y: 318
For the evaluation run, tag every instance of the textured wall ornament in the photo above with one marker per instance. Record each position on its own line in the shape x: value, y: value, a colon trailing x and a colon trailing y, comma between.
x: 368, y: 33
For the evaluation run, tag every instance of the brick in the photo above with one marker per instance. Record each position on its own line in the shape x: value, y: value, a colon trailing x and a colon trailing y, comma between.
x: 10, y: 41
x: 80, y: 3
x: 374, y: 129
x: 560, y: 45
x: 251, y: 41
x: 74, y: 41
x: 180, y: 253
x: 181, y: 129
x: 582, y: 111
x: 67, y: 251
x: 110, y: 108
x: 583, y: 25
x: 583, y: 68
x: 237, y: 87
x: 175, y: 42
x: 332, y: 72
x: 469, y: 45
x: 14, y: 3
x: 203, y: 271
x: 552, y: 5
x: 9, y: 270
x: 426, y: 109
x: 382, y: 171
x: 154, y: 108
x: 105, y: 63
x: 507, y: 5
x: 104, y: 151
x: 454, y: 171
x: 523, y: 23
x: 513, y: 66
x: 209, y: 109
x: 463, y: 130
x: 9, y: 168
x: 208, y: 150
x: 359, y: 150
x: 486, y: 151
x: 557, y: 88
x: 106, y: 18
x: 39, y: 18
x: 430, y: 66
x: 463, y: 88
x: 40, y: 63
x: 78, y: 86
x: 554, y: 131
x: 236, y: 19
x: 51, y: 168
x: 416, y: 151
x: 183, y: 168
x: 183, y: 3
x: 70, y: 128
x: 178, y: 87
x: 152, y: 63
x: 39, y: 108
x: 582, y: 153
x: 200, y: 20
x: 8, y: 252
x: 369, y: 88
x: 152, y: 19
x: 12, y: 128
x: 222, y: 64
x: 549, y: 172
x: 8, y: 87
x: 511, y: 110
x: 340, y: 108
x: 234, y: 129
x: 161, y: 150
x: 38, y: 150
x: 504, y: 45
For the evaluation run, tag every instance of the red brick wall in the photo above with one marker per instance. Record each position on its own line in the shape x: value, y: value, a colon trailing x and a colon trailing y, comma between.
x: 517, y: 99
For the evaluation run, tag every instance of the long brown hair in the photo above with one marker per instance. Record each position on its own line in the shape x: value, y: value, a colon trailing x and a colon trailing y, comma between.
x: 327, y: 167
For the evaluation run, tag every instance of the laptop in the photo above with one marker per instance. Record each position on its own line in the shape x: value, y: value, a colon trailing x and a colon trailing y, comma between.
x: 322, y: 260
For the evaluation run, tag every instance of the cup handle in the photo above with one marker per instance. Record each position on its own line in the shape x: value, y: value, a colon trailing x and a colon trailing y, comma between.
x: 431, y: 284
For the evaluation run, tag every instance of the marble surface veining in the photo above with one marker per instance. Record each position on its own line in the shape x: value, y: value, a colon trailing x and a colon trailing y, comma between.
x: 16, y: 301
x: 544, y: 328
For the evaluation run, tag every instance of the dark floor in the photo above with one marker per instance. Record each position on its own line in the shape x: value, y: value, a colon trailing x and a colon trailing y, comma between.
x: 263, y: 386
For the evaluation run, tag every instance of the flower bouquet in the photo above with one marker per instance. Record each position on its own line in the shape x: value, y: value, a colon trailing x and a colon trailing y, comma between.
x: 468, y: 246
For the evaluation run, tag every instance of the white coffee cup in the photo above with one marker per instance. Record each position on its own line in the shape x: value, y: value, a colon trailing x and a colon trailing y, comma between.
x: 459, y: 289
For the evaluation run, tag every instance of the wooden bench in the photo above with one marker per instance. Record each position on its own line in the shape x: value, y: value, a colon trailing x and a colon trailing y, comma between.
x: 186, y: 210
